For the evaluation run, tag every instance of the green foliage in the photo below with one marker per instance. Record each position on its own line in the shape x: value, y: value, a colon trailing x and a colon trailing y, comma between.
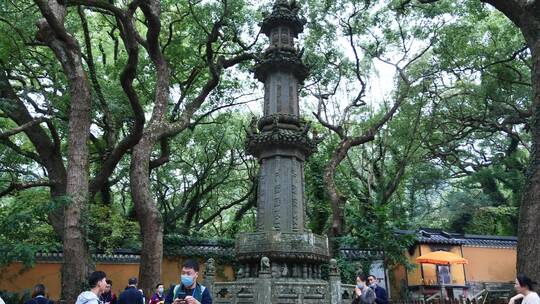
x: 24, y: 227
x: 109, y: 229
x: 177, y: 241
x: 318, y: 207
x: 208, y: 180
x: 176, y: 245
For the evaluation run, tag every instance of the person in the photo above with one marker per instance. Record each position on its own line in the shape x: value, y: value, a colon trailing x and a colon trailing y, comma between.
x: 108, y: 297
x: 97, y: 282
x: 131, y: 295
x: 381, y: 296
x: 38, y: 295
x: 524, y: 288
x: 362, y: 293
x: 143, y: 298
x: 158, y: 297
x: 189, y: 291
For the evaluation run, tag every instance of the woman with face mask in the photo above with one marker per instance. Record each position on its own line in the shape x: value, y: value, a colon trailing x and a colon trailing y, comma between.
x: 362, y: 293
x: 159, y: 296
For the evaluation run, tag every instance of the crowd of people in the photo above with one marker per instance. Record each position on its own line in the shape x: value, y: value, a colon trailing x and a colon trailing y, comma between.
x: 189, y: 291
x: 367, y: 291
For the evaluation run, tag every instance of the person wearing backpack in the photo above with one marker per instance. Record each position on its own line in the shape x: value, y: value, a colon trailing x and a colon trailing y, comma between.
x: 39, y: 296
x: 189, y: 291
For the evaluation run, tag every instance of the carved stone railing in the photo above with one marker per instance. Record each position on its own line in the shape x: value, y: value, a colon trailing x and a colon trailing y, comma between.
x: 282, y: 245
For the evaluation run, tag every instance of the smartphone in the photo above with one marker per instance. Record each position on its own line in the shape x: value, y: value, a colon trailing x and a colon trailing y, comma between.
x: 181, y: 296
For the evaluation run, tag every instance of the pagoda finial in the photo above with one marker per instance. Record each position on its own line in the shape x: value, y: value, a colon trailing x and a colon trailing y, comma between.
x: 293, y: 5
x: 284, y: 13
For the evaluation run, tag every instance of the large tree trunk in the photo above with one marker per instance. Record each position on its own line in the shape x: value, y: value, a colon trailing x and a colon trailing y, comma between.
x: 148, y: 215
x: 529, y: 215
x: 68, y: 52
x: 337, y: 200
x: 75, y: 250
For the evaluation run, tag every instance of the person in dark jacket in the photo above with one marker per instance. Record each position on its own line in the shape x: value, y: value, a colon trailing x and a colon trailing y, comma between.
x: 382, y: 295
x: 39, y: 295
x: 131, y: 295
x: 189, y: 291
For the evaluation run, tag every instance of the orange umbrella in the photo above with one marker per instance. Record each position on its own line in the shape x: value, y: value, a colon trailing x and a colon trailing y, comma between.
x: 441, y: 258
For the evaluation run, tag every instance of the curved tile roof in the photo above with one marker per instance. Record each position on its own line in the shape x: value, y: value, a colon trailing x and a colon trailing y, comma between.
x: 437, y: 236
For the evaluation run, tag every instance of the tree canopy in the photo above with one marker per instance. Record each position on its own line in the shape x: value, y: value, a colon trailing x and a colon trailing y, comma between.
x: 124, y: 121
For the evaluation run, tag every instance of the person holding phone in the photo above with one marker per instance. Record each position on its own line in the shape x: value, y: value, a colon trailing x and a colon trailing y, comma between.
x: 189, y: 291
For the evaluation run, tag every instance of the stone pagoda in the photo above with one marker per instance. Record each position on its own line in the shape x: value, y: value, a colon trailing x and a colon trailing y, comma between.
x: 281, y: 262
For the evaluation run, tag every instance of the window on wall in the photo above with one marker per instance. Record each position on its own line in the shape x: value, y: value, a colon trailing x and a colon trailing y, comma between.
x: 443, y: 274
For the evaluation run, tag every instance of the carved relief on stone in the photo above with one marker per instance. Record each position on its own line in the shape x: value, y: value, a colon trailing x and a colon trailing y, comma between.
x: 284, y: 290
x: 285, y: 271
x: 277, y: 194
x: 261, y: 199
x: 294, y: 197
x: 265, y: 265
x: 210, y: 269
x: 247, y: 270
x: 292, y: 100
x: 275, y: 37
x: 276, y: 270
x: 303, y: 185
x: 279, y: 100
x: 285, y: 35
x: 223, y: 293
x: 240, y: 273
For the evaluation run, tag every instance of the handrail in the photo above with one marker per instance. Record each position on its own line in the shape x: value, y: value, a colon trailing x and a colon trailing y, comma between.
x: 433, y: 297
x: 478, y: 294
x: 485, y: 298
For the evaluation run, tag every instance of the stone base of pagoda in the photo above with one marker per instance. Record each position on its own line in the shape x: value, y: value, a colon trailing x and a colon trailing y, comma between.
x: 292, y: 254
x: 268, y: 290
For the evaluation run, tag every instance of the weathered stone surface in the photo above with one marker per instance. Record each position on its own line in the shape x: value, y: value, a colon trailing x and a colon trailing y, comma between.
x: 301, y: 247
x: 282, y: 261
x: 281, y: 60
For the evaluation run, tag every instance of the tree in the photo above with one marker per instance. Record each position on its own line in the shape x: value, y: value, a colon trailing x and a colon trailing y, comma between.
x: 30, y: 81
x: 365, y: 45
x: 207, y: 180
x: 526, y: 17
x: 218, y: 51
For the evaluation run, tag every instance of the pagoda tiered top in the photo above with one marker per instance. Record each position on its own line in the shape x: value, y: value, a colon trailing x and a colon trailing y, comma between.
x: 284, y: 13
x: 282, y: 26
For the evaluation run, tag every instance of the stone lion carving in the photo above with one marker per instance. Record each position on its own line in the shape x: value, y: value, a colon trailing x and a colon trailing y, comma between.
x: 333, y: 267
x: 210, y: 266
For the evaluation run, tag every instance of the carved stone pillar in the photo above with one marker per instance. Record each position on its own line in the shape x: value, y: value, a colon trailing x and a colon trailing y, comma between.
x: 334, y: 279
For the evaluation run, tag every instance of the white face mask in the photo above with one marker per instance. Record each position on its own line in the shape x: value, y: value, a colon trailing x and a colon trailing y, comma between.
x: 160, y: 290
